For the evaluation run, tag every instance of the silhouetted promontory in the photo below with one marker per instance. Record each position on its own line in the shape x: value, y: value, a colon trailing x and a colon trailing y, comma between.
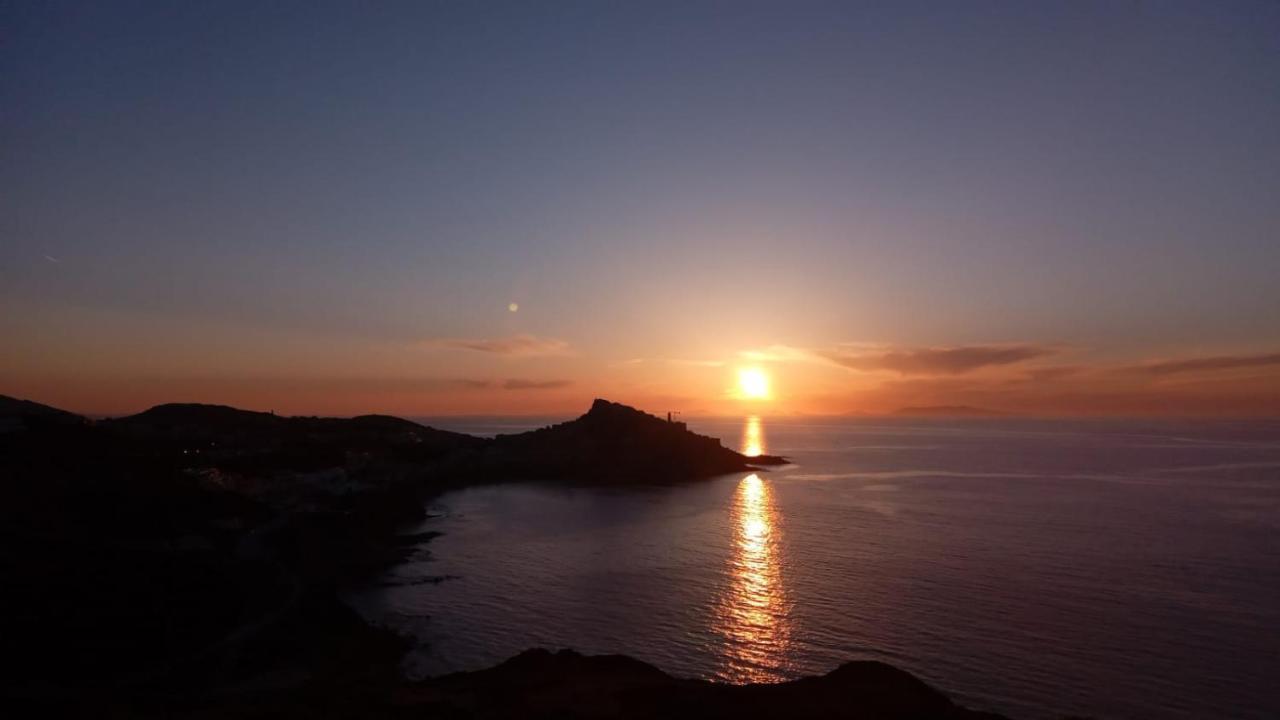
x: 614, y: 442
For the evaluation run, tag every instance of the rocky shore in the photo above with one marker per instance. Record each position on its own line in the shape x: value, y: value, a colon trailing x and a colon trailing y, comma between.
x: 186, y: 561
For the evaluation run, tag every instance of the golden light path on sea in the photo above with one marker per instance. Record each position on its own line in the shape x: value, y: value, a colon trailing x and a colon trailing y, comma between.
x: 753, y: 437
x: 752, y: 617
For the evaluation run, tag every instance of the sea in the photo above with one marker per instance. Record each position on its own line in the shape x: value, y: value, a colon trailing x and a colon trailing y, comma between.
x: 1036, y: 568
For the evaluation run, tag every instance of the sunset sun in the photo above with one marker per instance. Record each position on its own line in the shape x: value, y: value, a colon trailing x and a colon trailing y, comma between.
x: 753, y: 384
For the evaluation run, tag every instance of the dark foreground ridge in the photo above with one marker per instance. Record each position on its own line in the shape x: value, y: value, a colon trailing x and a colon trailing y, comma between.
x: 188, y: 561
x: 542, y: 684
x: 539, y: 684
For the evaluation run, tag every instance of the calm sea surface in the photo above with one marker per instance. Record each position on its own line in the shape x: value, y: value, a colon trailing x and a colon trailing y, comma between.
x: 1037, y: 568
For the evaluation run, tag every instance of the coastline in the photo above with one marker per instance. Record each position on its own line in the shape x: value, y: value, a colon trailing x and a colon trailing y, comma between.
x: 217, y: 585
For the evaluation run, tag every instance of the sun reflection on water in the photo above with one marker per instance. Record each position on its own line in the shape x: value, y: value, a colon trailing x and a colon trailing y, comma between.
x: 753, y: 437
x: 752, y: 616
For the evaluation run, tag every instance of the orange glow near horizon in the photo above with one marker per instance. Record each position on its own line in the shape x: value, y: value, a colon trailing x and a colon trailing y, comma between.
x: 522, y: 374
x: 752, y: 617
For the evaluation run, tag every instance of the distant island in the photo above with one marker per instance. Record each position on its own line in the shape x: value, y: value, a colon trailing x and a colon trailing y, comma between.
x: 187, y: 561
x: 945, y: 411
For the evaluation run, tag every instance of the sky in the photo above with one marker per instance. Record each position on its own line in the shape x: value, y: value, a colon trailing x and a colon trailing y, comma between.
x: 431, y: 208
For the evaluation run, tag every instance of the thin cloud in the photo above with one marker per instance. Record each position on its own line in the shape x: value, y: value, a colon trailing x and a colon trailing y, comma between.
x: 516, y: 346
x: 1208, y: 364
x: 778, y: 353
x: 673, y: 361
x: 508, y: 384
x: 516, y: 384
x: 1057, y: 372
x: 937, y: 361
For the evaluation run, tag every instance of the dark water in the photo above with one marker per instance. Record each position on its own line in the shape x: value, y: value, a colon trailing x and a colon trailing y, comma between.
x: 1037, y: 568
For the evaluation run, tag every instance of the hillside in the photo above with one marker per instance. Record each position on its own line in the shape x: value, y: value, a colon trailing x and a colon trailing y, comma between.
x: 18, y: 414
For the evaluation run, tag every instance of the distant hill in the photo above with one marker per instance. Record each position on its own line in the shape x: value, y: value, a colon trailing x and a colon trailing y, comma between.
x: 947, y: 411
x: 18, y: 414
x: 196, y: 419
x: 245, y: 440
x: 193, y: 417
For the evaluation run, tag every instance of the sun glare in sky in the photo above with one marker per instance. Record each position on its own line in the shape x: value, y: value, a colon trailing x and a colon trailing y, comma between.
x: 753, y: 383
